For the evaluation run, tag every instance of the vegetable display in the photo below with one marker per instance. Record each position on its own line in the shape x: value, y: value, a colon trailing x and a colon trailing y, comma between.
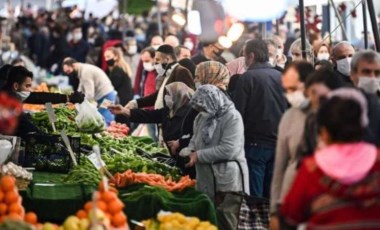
x: 16, y: 171
x: 117, y: 130
x: 65, y: 120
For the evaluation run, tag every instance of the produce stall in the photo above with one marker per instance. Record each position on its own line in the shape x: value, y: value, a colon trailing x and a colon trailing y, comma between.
x: 67, y: 172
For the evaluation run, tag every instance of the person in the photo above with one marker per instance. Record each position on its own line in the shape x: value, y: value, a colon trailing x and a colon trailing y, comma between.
x: 156, y: 41
x: 293, y: 81
x: 365, y: 71
x: 323, y: 64
x: 296, y: 51
x: 172, y: 41
x: 182, y: 52
x: 189, y: 65
x: 131, y: 56
x: 77, y: 48
x: 213, y: 73
x: 282, y: 60
x: 218, y: 135
x: 119, y: 72
x: 336, y: 188
x: 177, y: 119
x: 93, y: 82
x: 273, y: 54
x: 209, y: 52
x: 168, y: 71
x: 341, y: 56
x: 261, y: 102
x: 4, y: 74
x: 322, y: 52
x: 236, y: 66
x: 145, y: 81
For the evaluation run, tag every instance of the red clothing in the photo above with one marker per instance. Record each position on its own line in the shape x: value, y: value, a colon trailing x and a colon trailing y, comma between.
x: 150, y: 83
x: 324, y: 203
x: 138, y: 77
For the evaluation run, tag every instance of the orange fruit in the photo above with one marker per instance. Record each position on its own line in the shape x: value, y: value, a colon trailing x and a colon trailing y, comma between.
x: 11, y: 197
x: 15, y: 208
x: 115, y: 206
x: 119, y: 220
x: 101, y: 205
x: 88, y: 206
x: 2, y: 219
x: 14, y: 216
x: 7, y: 183
x: 81, y: 214
x: 108, y: 196
x: 3, y: 208
x: 1, y: 196
x: 31, y: 218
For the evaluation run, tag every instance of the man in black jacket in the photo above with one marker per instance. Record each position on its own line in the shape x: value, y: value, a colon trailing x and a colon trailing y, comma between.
x: 341, y: 56
x: 260, y: 100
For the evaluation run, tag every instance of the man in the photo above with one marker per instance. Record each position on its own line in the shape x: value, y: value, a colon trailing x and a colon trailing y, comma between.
x: 209, y: 52
x: 156, y: 41
x: 261, y: 102
x: 172, y: 41
x: 182, y: 52
x: 168, y: 71
x: 296, y: 51
x: 273, y: 54
x: 78, y: 48
x: 93, y: 82
x: 341, y: 56
x: 131, y: 55
x: 365, y: 71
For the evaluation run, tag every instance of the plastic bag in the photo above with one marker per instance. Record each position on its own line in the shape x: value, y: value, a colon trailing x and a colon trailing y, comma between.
x: 89, y: 120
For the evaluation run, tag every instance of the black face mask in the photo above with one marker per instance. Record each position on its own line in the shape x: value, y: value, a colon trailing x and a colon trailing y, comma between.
x: 218, y: 53
x: 110, y: 62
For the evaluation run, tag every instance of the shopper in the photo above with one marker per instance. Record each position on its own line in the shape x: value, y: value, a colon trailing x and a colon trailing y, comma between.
x: 93, y: 82
x: 322, y: 52
x: 341, y: 56
x: 209, y: 52
x: 213, y: 73
x: 260, y: 100
x: 145, y: 81
x: 131, y: 56
x: 182, y: 52
x: 337, y: 187
x: 296, y: 51
x: 77, y: 48
x: 237, y: 66
x: 218, y: 135
x: 273, y: 54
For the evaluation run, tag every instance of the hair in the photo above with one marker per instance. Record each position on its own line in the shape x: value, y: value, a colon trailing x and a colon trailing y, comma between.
x: 259, y: 48
x: 297, y: 44
x: 177, y: 49
x: 325, y: 76
x: 4, y: 71
x: 366, y: 55
x: 69, y: 61
x: 271, y: 42
x: 325, y: 64
x: 150, y: 50
x: 303, y: 68
x: 16, y: 74
x: 168, y: 51
x: 120, y: 62
x: 319, y: 46
x: 342, y: 119
x: 339, y: 44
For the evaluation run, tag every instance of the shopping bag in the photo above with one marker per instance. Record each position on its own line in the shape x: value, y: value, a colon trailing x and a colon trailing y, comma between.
x: 141, y: 131
x: 89, y: 120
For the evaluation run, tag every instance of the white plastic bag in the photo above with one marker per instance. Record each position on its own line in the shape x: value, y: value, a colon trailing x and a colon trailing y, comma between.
x: 89, y: 119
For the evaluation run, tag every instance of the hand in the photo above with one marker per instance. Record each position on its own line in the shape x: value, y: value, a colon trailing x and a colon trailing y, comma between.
x: 132, y: 105
x: 76, y: 97
x: 193, y: 159
x: 119, y: 110
x: 173, y: 145
x: 274, y: 223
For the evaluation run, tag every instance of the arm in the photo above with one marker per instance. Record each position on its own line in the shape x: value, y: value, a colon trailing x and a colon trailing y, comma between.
x: 147, y: 116
x: 242, y: 94
x: 42, y: 98
x: 147, y: 101
x: 229, y: 142
x: 88, y: 88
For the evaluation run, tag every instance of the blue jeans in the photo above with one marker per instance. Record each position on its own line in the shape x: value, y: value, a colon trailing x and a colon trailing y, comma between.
x: 108, y: 116
x: 260, y: 165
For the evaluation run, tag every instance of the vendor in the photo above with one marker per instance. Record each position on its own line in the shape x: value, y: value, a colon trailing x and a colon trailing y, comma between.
x: 177, y: 118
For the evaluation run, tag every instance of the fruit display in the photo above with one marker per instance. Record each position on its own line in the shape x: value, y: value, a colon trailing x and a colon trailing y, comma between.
x: 117, y: 130
x: 171, y: 221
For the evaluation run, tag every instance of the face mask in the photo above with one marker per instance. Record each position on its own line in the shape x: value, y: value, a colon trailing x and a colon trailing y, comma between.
x: 148, y: 66
x: 132, y: 49
x: 279, y: 52
x: 218, y: 53
x: 189, y: 45
x: 77, y: 36
x: 295, y: 99
x: 369, y: 84
x: 23, y: 95
x: 203, y: 114
x: 159, y: 69
x: 91, y: 41
x: 155, y: 47
x: 110, y: 62
x: 272, y: 61
x: 344, y: 66
x: 323, y: 56
x: 169, y: 102
x: 197, y: 85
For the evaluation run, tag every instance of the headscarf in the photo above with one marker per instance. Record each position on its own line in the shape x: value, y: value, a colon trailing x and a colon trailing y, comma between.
x: 237, y: 66
x: 212, y: 100
x: 214, y: 73
x: 179, y: 94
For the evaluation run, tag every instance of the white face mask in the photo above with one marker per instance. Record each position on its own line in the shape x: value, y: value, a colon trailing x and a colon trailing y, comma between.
x: 132, y: 49
x: 369, y: 84
x: 296, y: 98
x: 169, y: 102
x: 280, y: 52
x: 160, y: 70
x: 344, y: 66
x: 197, y: 85
x: 203, y: 114
x: 323, y: 56
x: 272, y: 61
x: 148, y: 66
x: 189, y: 45
x: 155, y: 47
x: 77, y: 36
x: 23, y: 95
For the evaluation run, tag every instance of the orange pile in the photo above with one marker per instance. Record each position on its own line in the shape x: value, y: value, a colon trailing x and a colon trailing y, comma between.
x: 110, y: 204
x: 11, y: 202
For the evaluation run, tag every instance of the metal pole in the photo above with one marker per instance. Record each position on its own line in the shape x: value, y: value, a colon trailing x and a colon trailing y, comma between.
x: 365, y: 28
x: 375, y: 28
x: 303, y: 28
x: 159, y: 18
x: 329, y: 21
x: 339, y: 20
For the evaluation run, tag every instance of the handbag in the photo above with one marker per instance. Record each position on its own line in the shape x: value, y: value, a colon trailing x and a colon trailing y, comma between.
x: 238, y: 210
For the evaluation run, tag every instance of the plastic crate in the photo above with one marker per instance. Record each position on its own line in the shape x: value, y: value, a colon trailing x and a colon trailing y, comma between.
x: 48, y: 153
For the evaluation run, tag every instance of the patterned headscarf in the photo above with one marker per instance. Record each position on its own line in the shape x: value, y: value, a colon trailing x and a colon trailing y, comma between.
x: 213, y: 73
x: 212, y: 100
x: 179, y: 94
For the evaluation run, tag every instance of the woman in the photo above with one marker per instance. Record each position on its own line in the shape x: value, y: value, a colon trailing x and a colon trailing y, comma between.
x: 322, y: 52
x: 337, y: 188
x: 177, y: 119
x: 218, y: 135
x: 214, y: 73
x: 119, y: 72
